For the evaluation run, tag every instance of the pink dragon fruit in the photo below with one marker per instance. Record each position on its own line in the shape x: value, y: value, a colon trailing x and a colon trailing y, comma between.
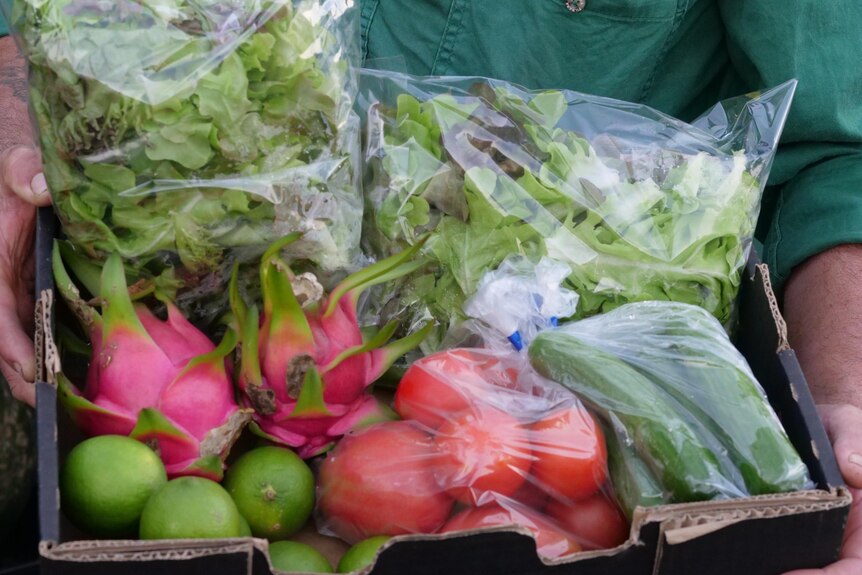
x: 161, y: 382
x: 305, y: 366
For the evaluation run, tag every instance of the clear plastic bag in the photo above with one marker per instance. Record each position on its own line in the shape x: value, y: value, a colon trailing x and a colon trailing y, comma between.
x: 189, y: 134
x: 639, y: 205
x: 484, y: 442
x: 686, y: 411
x: 516, y: 301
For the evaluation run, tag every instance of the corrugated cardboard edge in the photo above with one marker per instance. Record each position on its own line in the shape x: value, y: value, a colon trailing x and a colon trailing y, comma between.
x: 679, y: 523
x: 111, y: 551
x: 519, y: 529
x: 702, y: 514
x: 780, y: 324
x: 685, y: 522
x: 47, y: 356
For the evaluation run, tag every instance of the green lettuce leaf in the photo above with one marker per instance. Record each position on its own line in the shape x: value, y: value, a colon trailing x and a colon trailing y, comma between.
x: 188, y: 135
x: 496, y: 174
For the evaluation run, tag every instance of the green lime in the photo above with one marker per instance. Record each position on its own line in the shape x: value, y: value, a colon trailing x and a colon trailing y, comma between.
x: 105, y: 483
x: 295, y: 557
x: 246, y: 528
x: 190, y: 508
x: 273, y: 489
x: 362, y: 554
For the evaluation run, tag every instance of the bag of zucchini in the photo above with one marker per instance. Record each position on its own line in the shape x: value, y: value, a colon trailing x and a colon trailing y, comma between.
x: 686, y: 419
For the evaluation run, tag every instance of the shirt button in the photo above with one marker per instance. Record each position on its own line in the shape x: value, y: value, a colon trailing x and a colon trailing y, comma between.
x: 575, y: 5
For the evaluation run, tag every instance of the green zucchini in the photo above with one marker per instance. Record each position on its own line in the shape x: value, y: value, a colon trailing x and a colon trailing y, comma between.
x: 634, y: 484
x: 667, y: 441
x: 713, y: 383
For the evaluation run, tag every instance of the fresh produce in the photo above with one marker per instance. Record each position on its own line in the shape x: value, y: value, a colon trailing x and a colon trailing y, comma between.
x: 686, y: 415
x: 687, y: 361
x: 362, y: 554
x: 570, y: 458
x: 505, y: 442
x: 190, y: 508
x: 595, y: 522
x: 427, y: 395
x: 273, y: 489
x: 380, y: 481
x: 483, y: 453
x: 161, y: 382
x: 245, y: 528
x: 295, y: 557
x: 105, y: 483
x: 633, y: 481
x: 641, y: 206
x: 689, y: 470
x: 186, y: 135
x: 305, y: 366
x: 531, y: 494
x: 551, y: 541
x: 707, y: 377
x: 501, y: 430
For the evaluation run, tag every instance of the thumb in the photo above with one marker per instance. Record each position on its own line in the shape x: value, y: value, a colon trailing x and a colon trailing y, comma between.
x: 844, y: 425
x: 21, y: 172
x: 17, y: 357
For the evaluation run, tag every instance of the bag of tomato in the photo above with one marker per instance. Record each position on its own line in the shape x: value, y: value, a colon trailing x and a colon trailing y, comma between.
x: 485, y: 442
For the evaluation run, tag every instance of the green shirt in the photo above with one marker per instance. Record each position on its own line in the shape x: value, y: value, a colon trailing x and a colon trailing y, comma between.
x: 680, y: 56
x: 3, y: 29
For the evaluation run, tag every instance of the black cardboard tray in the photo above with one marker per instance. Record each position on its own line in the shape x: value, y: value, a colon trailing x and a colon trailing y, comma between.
x: 765, y: 535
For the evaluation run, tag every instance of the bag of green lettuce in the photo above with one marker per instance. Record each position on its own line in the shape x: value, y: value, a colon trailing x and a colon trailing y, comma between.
x: 189, y: 134
x: 640, y: 205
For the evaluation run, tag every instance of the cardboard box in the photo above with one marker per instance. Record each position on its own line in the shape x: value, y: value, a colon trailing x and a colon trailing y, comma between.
x: 764, y: 535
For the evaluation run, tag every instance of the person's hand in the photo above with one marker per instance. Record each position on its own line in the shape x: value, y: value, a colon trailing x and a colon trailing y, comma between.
x: 22, y: 188
x: 844, y: 426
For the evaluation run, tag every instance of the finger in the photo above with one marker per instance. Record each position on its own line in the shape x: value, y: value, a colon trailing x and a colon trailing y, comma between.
x: 843, y: 567
x: 844, y: 426
x: 26, y: 291
x: 21, y: 389
x: 21, y: 171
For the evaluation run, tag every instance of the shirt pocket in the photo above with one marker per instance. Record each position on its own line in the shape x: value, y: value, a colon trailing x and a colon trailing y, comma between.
x: 631, y: 10
x: 610, y: 47
x: 405, y: 33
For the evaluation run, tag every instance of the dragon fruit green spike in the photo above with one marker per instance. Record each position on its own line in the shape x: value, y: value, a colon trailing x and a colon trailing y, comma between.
x: 161, y: 382
x: 305, y: 366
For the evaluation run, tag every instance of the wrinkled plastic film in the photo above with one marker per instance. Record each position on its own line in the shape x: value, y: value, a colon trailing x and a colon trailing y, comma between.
x: 687, y: 354
x: 188, y: 135
x: 518, y: 300
x: 634, y: 483
x: 641, y: 206
x: 484, y: 442
x: 691, y: 467
x: 667, y: 380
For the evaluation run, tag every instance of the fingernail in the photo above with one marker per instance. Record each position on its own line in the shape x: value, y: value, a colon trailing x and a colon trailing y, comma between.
x: 38, y: 185
x: 18, y: 369
x: 855, y: 459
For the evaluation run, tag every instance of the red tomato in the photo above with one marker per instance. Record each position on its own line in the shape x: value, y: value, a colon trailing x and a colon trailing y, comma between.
x: 531, y: 495
x: 570, y: 457
x: 550, y: 540
x: 596, y: 522
x: 381, y: 482
x: 442, y: 385
x: 433, y: 389
x: 482, y: 451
